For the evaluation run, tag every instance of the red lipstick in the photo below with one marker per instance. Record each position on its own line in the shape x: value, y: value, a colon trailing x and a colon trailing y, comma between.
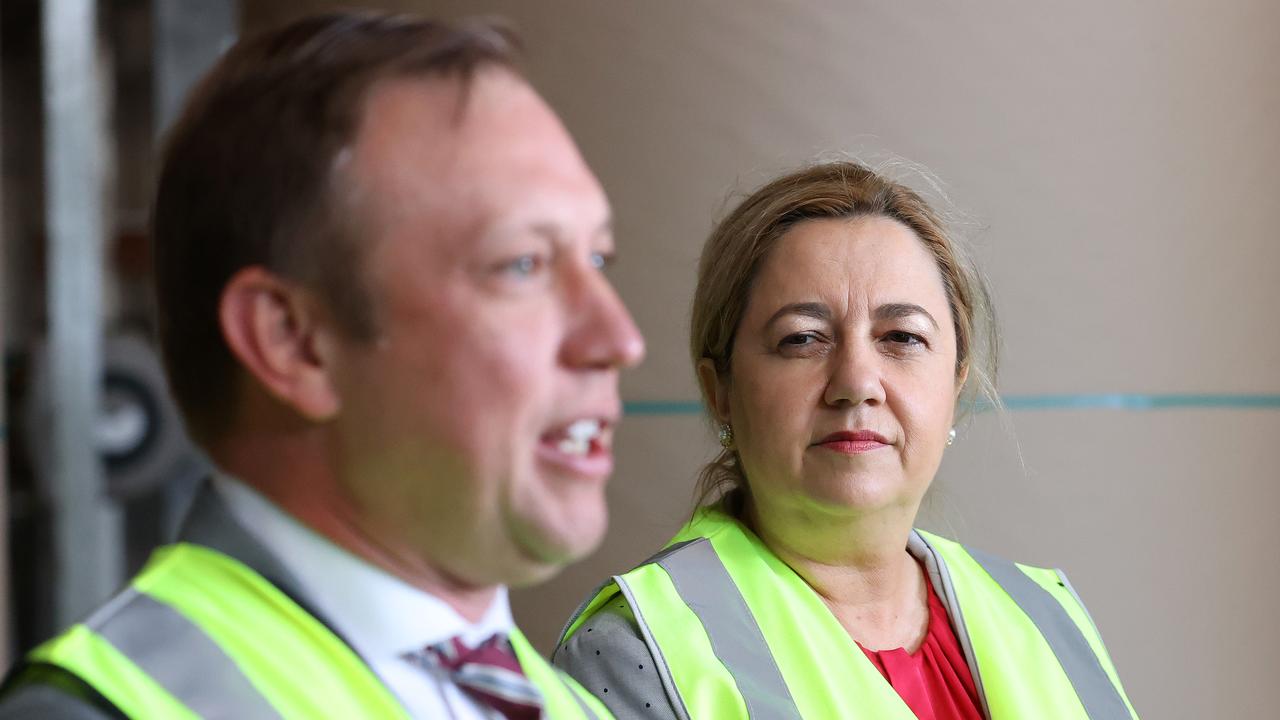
x: 853, y: 442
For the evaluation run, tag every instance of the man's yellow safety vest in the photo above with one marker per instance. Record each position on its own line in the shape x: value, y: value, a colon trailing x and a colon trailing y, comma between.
x: 199, y: 634
x: 736, y: 633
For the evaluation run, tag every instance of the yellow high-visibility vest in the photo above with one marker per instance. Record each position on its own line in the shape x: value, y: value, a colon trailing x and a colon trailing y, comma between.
x: 741, y: 635
x: 198, y: 634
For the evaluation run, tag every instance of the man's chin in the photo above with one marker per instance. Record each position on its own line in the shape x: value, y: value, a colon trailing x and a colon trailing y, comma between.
x: 548, y: 550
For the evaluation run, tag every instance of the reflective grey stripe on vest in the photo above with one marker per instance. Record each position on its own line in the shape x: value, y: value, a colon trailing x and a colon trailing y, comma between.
x: 944, y: 587
x: 179, y: 656
x: 703, y: 582
x: 1093, y: 686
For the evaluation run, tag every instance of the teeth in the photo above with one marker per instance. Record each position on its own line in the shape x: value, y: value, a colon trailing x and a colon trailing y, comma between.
x: 578, y: 437
x: 583, y: 429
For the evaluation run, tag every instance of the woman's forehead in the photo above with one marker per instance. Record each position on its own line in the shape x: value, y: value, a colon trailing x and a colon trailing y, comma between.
x: 849, y: 261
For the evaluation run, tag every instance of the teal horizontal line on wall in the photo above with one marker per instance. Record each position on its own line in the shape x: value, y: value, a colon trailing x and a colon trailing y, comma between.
x: 1086, y: 401
x: 1135, y: 401
x: 660, y: 407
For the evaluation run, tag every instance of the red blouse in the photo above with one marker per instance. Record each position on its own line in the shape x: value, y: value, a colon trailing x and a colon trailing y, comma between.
x: 934, y: 681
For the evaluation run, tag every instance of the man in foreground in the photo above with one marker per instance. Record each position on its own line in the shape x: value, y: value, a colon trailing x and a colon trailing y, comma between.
x: 382, y: 309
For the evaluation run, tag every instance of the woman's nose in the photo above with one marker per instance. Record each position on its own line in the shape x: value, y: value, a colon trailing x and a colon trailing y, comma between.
x: 855, y: 377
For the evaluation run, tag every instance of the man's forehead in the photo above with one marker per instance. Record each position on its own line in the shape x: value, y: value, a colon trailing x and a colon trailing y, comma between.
x: 438, y: 148
x: 493, y: 118
x: 429, y: 116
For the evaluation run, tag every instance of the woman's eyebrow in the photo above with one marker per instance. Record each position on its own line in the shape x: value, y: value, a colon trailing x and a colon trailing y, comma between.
x: 815, y: 310
x: 894, y: 311
x: 819, y: 311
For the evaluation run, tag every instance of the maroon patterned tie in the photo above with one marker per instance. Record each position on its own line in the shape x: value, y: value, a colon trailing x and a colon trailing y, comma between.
x: 488, y: 672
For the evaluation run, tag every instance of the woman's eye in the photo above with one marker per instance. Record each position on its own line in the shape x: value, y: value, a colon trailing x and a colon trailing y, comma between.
x: 798, y: 340
x: 904, y: 338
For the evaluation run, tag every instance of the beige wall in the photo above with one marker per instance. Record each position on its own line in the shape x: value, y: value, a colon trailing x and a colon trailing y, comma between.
x: 1124, y: 160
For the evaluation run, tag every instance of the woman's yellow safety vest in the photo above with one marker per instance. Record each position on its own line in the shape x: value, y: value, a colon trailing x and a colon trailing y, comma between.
x: 736, y: 633
x: 199, y: 634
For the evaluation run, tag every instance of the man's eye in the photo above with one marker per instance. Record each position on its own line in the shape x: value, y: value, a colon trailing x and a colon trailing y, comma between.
x: 600, y: 261
x: 525, y: 265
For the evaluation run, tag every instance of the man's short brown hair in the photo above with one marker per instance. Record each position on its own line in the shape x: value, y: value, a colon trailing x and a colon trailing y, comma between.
x: 247, y: 179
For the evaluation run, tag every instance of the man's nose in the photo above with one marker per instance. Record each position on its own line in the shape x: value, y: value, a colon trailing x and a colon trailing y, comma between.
x: 602, y: 333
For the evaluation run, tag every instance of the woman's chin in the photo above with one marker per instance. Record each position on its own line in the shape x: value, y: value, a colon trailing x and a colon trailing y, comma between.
x: 859, y: 496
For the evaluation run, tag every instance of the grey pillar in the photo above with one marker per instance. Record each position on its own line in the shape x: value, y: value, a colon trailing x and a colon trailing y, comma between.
x: 87, y: 533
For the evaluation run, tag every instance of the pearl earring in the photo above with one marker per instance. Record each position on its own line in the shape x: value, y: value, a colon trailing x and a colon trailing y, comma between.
x: 951, y: 436
x: 726, y: 436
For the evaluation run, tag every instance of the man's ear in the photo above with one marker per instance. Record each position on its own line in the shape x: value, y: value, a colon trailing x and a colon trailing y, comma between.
x: 278, y: 332
x: 715, y: 389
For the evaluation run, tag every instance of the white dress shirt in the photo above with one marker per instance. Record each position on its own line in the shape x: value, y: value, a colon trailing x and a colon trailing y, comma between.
x: 382, y: 616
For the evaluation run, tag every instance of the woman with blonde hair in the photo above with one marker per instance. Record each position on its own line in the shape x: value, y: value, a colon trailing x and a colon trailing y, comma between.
x: 836, y: 327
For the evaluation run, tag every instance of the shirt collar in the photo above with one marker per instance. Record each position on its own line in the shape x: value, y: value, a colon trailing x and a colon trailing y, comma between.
x: 381, y: 615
